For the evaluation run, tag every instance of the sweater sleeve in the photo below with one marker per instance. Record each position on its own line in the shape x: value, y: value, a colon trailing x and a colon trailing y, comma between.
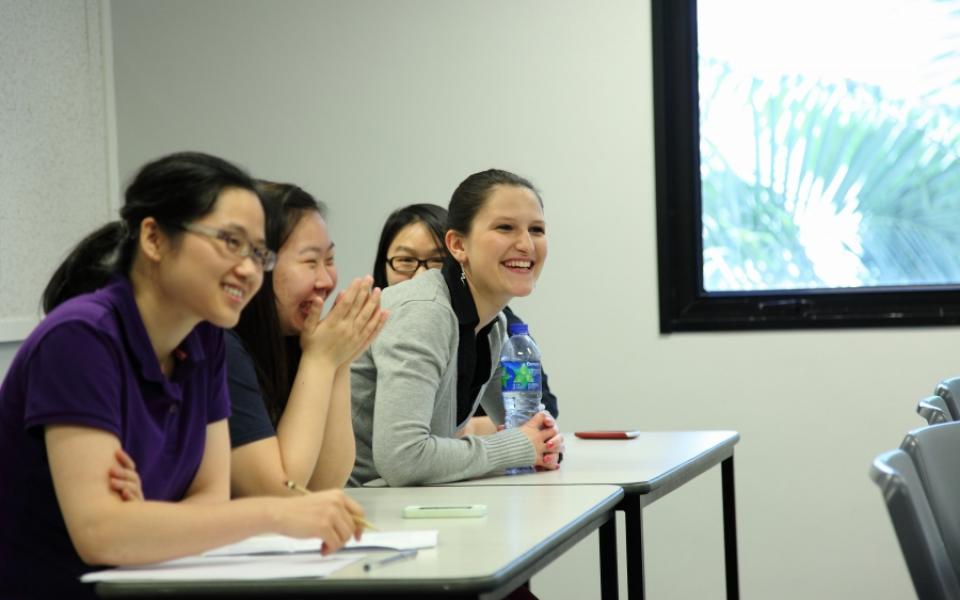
x: 491, y: 401
x: 413, y: 419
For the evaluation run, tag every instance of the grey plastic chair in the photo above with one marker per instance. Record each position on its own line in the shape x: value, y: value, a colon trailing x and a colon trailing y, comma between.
x: 934, y: 410
x: 949, y: 390
x: 923, y: 548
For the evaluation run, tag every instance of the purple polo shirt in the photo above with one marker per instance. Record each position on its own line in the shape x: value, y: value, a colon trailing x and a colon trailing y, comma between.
x: 90, y: 363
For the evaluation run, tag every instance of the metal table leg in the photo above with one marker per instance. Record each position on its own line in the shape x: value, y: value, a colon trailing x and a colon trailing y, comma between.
x: 633, y: 518
x: 609, y: 581
x: 730, y: 530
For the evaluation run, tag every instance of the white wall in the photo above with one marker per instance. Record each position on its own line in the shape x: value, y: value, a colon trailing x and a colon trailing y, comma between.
x: 371, y: 105
x: 55, y: 161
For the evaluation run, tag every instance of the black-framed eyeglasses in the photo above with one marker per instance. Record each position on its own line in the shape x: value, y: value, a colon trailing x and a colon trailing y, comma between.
x: 237, y: 244
x: 410, y: 264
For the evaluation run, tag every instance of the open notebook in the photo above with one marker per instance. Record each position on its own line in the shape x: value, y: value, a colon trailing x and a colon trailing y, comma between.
x: 266, y: 557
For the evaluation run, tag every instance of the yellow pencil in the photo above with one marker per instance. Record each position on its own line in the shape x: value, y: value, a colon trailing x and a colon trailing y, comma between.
x: 293, y: 485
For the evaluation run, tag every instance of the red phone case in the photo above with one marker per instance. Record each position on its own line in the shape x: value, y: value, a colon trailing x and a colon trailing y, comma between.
x: 606, y: 435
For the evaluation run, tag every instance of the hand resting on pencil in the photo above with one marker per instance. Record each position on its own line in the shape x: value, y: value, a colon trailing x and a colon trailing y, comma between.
x: 330, y: 515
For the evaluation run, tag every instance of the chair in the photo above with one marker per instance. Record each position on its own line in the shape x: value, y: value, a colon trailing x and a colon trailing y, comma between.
x: 934, y: 410
x: 923, y: 549
x: 949, y: 390
x: 935, y: 450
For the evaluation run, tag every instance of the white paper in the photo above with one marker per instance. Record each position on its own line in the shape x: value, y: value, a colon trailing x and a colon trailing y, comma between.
x: 395, y: 540
x: 266, y: 557
x: 225, y: 568
x: 280, y: 544
x: 267, y: 544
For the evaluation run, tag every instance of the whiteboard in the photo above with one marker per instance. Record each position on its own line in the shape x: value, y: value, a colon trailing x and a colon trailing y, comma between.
x: 55, y: 152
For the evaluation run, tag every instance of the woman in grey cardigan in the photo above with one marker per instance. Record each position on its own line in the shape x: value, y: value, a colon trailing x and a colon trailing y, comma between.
x: 429, y: 369
x: 411, y: 243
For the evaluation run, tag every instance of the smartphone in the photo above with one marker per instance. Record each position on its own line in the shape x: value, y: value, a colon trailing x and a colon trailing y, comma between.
x: 606, y: 435
x: 444, y: 512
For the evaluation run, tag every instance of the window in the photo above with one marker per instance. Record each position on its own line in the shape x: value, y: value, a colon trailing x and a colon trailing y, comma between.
x: 808, y: 163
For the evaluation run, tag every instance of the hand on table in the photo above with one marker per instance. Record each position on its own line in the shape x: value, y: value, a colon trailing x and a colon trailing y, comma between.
x: 330, y: 515
x: 546, y: 438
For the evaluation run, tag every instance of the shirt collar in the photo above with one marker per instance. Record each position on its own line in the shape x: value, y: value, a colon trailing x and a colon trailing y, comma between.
x: 190, y: 350
x: 473, y: 348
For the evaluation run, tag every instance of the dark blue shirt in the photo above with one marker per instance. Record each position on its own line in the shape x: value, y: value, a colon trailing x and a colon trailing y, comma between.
x: 249, y: 419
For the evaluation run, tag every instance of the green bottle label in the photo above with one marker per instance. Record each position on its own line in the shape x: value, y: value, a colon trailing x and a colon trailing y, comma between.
x: 520, y: 376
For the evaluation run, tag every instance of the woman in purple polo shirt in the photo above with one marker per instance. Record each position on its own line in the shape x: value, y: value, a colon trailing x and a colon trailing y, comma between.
x: 130, y: 357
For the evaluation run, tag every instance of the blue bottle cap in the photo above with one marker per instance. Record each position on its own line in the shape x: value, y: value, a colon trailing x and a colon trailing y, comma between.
x: 518, y: 329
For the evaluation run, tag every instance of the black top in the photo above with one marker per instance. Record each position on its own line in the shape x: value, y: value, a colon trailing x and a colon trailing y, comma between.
x: 473, y: 349
x: 548, y: 398
x: 250, y: 421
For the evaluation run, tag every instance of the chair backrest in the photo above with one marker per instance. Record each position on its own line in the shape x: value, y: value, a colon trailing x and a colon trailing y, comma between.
x: 923, y: 549
x: 934, y: 410
x: 935, y: 451
x: 949, y: 390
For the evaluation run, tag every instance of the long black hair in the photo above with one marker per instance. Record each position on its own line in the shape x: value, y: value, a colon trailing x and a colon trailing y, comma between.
x: 275, y: 358
x: 431, y: 215
x: 174, y: 189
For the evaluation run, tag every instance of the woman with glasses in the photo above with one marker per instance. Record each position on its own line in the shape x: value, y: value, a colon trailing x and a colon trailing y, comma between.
x: 411, y: 243
x: 424, y: 376
x: 288, y: 368
x: 121, y: 393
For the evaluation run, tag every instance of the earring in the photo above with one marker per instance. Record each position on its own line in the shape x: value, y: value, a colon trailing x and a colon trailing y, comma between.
x: 463, y: 276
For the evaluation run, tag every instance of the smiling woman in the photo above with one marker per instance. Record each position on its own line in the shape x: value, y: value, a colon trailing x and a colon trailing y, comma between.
x: 425, y: 376
x: 288, y: 368
x: 113, y: 412
x: 411, y: 243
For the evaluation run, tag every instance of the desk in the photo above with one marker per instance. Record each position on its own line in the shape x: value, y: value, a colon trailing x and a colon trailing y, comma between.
x: 647, y: 468
x: 484, y: 558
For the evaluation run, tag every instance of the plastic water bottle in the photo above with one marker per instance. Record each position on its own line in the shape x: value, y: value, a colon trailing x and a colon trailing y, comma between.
x: 520, y: 381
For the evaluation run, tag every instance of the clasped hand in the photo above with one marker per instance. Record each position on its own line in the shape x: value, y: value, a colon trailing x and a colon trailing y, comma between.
x: 543, y: 433
x: 348, y: 328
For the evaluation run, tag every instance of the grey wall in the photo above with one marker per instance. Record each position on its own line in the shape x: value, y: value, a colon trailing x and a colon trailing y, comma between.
x: 373, y: 104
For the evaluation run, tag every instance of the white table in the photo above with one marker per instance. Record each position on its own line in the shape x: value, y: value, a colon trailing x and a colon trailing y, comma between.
x: 646, y: 467
x: 525, y: 529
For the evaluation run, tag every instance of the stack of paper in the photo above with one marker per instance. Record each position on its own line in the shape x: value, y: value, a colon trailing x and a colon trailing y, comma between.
x: 223, y: 568
x: 372, y: 540
x: 265, y: 557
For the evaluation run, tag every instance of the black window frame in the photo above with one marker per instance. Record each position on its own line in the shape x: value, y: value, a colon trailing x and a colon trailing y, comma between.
x: 684, y: 305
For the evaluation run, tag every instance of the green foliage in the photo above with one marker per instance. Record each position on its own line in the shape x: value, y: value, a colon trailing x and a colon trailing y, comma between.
x: 833, y: 185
